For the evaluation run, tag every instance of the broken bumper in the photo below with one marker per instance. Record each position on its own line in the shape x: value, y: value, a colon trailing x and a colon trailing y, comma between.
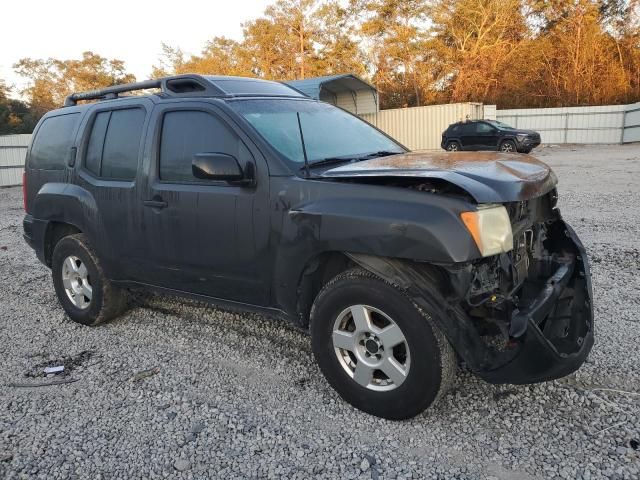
x: 549, y: 346
x: 547, y: 338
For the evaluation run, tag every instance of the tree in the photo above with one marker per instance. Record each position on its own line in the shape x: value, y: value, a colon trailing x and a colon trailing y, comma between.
x: 15, y: 116
x: 338, y: 45
x: 51, y: 80
x: 477, y: 43
x: 398, y: 49
x: 581, y: 60
x: 293, y: 39
x: 515, y: 53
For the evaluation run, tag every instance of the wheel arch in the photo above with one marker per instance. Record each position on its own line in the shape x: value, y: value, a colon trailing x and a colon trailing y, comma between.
x: 66, y: 209
x: 317, y: 271
x: 55, y: 232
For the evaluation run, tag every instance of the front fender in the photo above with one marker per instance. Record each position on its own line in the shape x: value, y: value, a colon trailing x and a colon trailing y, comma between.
x: 367, y: 219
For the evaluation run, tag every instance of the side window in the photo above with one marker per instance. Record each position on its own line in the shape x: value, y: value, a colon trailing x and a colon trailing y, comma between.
x: 187, y: 132
x: 114, y: 144
x: 483, y: 128
x: 52, y: 145
x: 93, y: 157
x: 468, y: 129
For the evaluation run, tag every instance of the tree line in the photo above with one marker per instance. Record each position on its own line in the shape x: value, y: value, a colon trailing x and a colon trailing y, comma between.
x: 513, y: 53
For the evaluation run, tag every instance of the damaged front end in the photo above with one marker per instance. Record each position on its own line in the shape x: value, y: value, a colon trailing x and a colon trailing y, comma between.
x: 519, y: 317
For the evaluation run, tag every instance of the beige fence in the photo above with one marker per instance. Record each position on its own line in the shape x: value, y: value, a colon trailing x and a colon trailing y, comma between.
x: 598, y: 124
x: 13, y: 149
x: 631, y: 128
x: 420, y: 128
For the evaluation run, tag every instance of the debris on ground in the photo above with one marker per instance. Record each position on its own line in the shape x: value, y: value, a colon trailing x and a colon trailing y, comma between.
x: 144, y: 374
x: 56, y: 369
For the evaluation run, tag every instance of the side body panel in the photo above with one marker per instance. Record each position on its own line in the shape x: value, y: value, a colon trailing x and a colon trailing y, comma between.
x: 117, y: 213
x: 311, y: 217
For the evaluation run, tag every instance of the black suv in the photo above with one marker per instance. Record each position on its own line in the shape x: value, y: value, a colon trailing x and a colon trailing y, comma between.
x: 249, y: 195
x: 488, y: 135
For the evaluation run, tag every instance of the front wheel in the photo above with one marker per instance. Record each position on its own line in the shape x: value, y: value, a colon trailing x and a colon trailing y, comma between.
x: 377, y: 349
x: 508, y: 147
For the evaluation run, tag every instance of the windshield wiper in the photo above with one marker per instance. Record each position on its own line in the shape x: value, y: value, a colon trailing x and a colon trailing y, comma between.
x: 330, y: 161
x: 381, y: 153
x: 349, y: 158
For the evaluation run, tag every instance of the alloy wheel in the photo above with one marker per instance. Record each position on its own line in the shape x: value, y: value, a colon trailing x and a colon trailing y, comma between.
x: 371, y: 348
x: 76, y: 282
x: 506, y: 147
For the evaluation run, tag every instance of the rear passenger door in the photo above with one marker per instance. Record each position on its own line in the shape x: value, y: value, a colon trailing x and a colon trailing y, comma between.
x: 110, y: 153
x: 204, y: 236
x: 486, y: 136
x: 468, y: 136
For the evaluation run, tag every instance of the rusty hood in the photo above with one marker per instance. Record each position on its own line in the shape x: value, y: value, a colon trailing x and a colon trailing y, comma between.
x: 489, y: 177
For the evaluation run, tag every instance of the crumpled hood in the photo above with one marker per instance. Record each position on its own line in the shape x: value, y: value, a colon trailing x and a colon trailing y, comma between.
x: 489, y: 177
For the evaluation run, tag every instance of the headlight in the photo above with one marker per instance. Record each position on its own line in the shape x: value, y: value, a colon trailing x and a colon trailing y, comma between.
x: 490, y: 228
x: 522, y: 136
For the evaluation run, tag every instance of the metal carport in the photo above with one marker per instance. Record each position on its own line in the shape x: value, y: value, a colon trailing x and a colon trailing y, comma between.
x: 346, y: 91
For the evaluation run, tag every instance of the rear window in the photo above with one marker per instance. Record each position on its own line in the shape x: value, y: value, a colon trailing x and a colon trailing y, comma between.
x: 114, y: 144
x: 51, y: 148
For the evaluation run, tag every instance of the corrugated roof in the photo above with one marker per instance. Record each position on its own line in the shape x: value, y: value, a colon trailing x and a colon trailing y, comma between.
x: 333, y: 83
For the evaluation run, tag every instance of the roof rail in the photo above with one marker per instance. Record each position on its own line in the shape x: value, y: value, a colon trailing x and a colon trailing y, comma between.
x: 183, y: 85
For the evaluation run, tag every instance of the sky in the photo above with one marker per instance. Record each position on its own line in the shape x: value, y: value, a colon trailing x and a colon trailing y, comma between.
x: 127, y: 30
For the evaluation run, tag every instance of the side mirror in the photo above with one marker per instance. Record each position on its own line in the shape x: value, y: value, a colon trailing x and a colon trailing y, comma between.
x: 216, y: 166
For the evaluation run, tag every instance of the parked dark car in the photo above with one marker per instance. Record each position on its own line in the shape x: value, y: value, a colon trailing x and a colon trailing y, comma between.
x: 474, y: 135
x: 249, y: 195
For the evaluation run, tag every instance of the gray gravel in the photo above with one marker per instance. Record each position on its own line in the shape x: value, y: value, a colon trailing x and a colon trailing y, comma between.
x: 174, y: 389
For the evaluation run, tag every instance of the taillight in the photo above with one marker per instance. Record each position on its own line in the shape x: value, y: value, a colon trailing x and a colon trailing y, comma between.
x: 24, y: 191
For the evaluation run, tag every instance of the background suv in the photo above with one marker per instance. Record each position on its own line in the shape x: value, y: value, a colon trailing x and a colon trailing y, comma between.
x: 488, y: 135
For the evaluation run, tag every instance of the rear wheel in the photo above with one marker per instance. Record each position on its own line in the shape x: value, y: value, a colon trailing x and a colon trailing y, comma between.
x: 82, y: 288
x: 377, y: 349
x: 508, y: 147
x: 453, y: 147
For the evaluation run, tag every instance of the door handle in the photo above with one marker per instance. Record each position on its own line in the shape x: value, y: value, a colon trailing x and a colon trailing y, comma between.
x: 155, y: 203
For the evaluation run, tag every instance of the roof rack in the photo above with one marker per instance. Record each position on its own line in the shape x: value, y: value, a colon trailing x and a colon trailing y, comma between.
x: 193, y: 85
x: 178, y: 85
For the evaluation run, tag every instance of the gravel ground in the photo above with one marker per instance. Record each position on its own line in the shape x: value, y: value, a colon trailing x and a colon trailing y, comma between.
x: 173, y: 389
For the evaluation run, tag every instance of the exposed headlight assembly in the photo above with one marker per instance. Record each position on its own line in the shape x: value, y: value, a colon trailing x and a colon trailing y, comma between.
x: 490, y: 228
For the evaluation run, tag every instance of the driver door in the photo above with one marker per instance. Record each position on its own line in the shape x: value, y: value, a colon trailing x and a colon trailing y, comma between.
x: 203, y: 236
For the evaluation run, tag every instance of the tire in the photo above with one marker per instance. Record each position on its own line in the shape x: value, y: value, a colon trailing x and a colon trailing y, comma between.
x: 424, y: 355
x: 453, y: 147
x: 508, y: 147
x: 83, y: 290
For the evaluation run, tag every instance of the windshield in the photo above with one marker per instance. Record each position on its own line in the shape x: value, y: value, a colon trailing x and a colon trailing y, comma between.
x: 500, y: 124
x: 328, y: 131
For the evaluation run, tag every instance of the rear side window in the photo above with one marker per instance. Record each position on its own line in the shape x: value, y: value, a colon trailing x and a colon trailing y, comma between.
x: 52, y: 146
x: 468, y: 129
x: 114, y: 144
x: 185, y: 133
x: 483, y: 128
